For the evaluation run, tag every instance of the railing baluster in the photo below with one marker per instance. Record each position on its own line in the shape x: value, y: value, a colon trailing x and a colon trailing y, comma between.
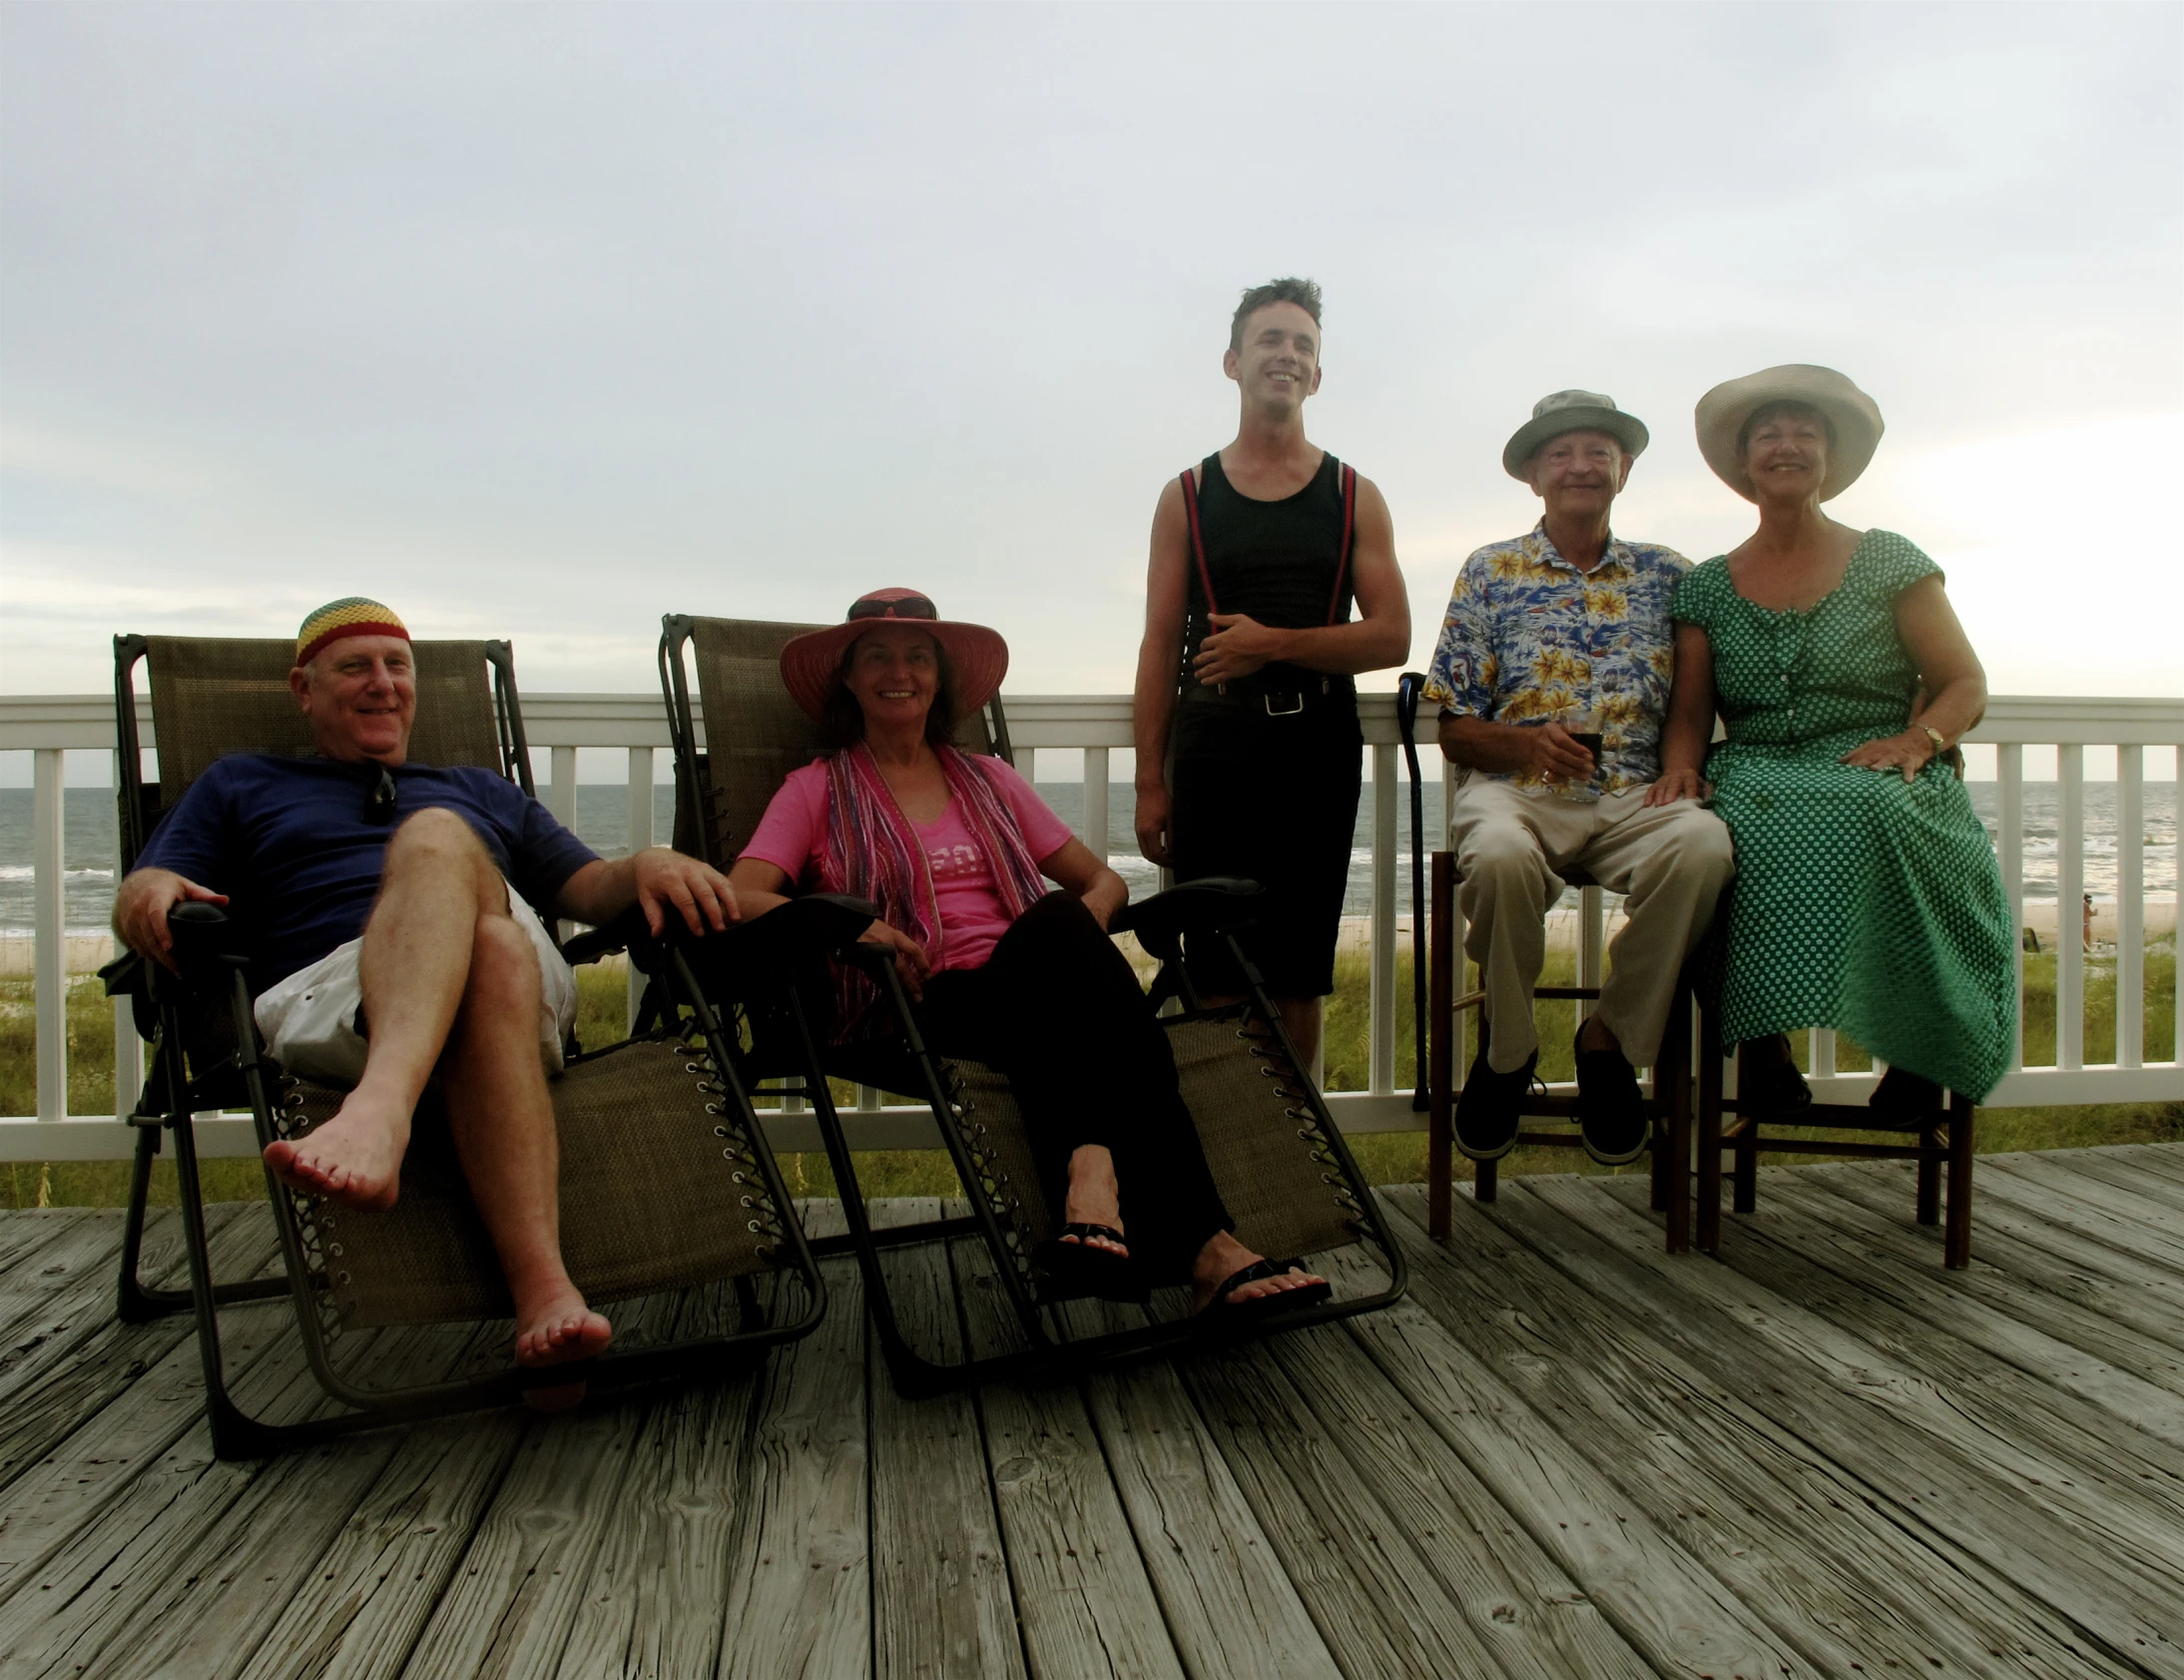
x: 2131, y: 907
x: 1822, y: 1049
x: 2070, y: 907
x: 1381, y: 1015
x: 640, y: 838
x: 2010, y: 771
x: 1095, y: 802
x: 1459, y: 1052
x: 1592, y: 923
x: 128, y: 1047
x: 50, y: 952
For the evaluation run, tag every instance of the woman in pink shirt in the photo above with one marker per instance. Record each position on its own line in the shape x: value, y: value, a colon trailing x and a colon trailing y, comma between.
x: 954, y: 848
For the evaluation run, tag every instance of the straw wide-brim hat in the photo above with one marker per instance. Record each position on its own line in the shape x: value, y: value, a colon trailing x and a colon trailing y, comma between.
x: 812, y: 663
x: 1567, y: 412
x: 1855, y: 416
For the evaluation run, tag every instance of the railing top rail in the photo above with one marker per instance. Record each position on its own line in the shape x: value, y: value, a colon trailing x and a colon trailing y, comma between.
x: 637, y: 718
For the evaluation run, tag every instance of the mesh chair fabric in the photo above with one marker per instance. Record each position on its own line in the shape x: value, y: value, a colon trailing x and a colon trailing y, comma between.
x: 1260, y: 1140
x: 658, y: 1191
x: 215, y: 694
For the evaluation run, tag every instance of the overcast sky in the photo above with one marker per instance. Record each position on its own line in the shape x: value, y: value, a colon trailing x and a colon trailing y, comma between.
x: 542, y: 320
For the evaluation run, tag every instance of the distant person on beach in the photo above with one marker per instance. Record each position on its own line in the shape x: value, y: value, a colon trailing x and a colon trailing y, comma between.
x: 388, y: 908
x: 1248, y: 745
x: 1552, y: 676
x: 1867, y: 895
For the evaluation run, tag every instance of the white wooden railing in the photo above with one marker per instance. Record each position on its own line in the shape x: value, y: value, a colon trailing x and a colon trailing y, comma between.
x: 559, y: 725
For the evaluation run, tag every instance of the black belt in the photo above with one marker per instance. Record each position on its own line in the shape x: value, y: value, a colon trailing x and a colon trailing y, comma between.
x: 1274, y: 702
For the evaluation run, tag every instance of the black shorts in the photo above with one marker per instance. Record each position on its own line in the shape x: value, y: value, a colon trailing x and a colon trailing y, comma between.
x: 1275, y: 800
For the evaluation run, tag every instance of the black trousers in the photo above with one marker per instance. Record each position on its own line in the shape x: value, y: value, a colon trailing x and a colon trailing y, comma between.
x: 1273, y: 798
x: 1057, y: 1009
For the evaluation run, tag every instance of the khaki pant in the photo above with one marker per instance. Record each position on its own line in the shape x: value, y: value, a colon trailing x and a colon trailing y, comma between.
x: 1671, y: 862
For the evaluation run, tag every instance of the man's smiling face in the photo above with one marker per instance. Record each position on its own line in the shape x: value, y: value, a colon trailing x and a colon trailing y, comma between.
x: 1278, y: 360
x: 360, y: 695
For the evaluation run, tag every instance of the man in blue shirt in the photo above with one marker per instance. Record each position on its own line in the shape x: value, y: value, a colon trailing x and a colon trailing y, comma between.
x: 1552, y: 675
x: 390, y: 910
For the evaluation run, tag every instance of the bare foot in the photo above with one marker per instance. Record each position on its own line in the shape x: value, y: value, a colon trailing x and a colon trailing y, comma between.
x: 559, y: 1328
x: 1093, y: 1197
x: 1222, y: 1257
x: 354, y: 1159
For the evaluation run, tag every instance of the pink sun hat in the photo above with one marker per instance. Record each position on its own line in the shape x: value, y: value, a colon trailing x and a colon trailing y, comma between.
x: 812, y: 663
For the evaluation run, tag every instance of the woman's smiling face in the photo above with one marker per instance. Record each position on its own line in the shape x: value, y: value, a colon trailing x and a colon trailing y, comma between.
x: 895, y: 675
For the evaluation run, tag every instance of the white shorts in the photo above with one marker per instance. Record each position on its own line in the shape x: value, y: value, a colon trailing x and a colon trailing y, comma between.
x: 309, y: 1020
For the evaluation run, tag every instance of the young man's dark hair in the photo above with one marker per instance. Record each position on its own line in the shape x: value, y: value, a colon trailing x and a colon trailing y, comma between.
x: 1303, y: 294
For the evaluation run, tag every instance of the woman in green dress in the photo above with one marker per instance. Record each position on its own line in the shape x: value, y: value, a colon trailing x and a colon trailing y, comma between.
x: 1866, y: 896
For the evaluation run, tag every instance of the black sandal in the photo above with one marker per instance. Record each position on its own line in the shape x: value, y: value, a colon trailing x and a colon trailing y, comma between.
x: 1076, y: 1270
x: 1222, y: 1313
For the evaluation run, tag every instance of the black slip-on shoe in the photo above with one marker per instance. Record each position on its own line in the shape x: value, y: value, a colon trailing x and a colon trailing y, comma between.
x: 1611, y: 1111
x: 1489, y: 1107
x: 1904, y: 1095
x: 1774, y: 1087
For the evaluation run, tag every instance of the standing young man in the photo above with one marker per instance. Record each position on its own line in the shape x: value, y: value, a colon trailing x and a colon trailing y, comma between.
x: 1248, y: 745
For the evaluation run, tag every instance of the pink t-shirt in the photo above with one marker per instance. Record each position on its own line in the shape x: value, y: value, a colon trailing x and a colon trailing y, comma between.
x: 793, y: 833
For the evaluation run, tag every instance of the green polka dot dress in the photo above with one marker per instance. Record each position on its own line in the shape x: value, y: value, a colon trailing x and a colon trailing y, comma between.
x: 1860, y: 903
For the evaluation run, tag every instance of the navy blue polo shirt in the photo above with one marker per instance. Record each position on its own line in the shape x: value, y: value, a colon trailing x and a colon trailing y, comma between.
x: 289, y: 841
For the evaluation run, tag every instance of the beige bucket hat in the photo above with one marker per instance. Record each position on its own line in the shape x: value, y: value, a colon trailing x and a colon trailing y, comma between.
x: 1855, y: 416
x: 1571, y: 411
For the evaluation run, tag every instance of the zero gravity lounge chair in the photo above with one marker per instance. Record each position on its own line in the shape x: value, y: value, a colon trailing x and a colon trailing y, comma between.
x: 665, y: 1180
x: 1277, y: 1158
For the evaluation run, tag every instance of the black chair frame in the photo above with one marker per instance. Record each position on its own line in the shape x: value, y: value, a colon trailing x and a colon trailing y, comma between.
x: 193, y: 1070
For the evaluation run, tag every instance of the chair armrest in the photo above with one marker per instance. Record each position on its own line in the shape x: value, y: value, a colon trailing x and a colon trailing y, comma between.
x: 787, y: 940
x: 1212, y: 904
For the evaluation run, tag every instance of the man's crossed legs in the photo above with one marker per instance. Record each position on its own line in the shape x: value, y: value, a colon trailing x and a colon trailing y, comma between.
x: 1672, y: 862
x: 451, y: 980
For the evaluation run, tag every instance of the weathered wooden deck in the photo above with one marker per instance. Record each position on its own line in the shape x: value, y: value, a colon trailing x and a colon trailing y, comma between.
x: 1565, y: 1455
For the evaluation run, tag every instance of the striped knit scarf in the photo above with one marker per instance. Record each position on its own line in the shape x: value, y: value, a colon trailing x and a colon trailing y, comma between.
x: 872, y: 852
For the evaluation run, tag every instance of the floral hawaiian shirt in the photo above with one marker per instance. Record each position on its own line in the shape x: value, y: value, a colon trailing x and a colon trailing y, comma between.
x: 1530, y: 639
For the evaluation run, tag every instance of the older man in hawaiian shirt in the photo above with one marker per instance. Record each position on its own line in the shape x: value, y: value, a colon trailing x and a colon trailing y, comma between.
x: 1551, y: 638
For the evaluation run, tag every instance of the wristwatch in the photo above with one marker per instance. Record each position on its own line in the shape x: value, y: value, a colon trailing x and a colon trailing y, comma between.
x: 1940, y: 741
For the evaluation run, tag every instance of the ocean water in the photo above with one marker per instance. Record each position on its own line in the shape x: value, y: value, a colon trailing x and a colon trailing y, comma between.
x: 602, y: 820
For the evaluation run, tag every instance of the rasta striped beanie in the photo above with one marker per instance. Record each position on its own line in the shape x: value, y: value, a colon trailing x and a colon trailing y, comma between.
x: 352, y: 615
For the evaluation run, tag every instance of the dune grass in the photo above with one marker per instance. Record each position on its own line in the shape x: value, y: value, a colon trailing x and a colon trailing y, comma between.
x: 1386, y: 1157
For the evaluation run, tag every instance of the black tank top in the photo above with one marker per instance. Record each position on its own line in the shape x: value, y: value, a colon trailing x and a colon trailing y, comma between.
x: 1272, y: 561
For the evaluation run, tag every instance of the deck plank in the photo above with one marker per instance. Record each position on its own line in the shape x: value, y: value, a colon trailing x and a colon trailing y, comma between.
x: 1680, y: 1483
x: 57, y: 1399
x: 799, y: 1564
x: 91, y: 1601
x: 2084, y: 1206
x: 1083, y: 1598
x: 250, y: 1563
x: 2117, y: 1484
x: 2006, y: 1240
x: 941, y: 1602
x: 54, y: 1305
x: 2158, y: 1190
x: 28, y: 1231
x: 1230, y: 1610
x: 1842, y: 1398
x: 377, y: 1584
x: 2166, y: 1159
x: 513, y: 1599
x: 1382, y: 1611
x: 62, y: 1476
x: 1524, y: 1611
x: 2051, y: 1342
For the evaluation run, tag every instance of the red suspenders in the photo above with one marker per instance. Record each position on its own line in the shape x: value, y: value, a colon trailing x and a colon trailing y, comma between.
x: 1342, y: 561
